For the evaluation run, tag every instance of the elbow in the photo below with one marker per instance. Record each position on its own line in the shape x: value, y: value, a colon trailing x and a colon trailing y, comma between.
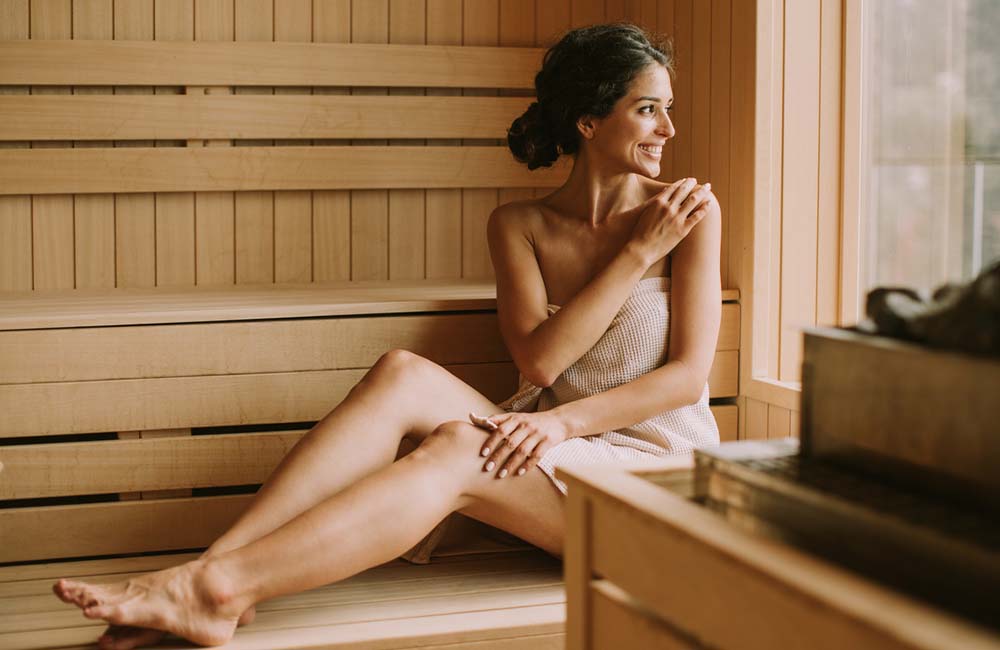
x: 695, y: 384
x: 540, y: 377
x: 535, y: 373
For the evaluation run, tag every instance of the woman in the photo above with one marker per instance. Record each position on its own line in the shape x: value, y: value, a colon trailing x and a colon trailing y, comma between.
x: 596, y: 368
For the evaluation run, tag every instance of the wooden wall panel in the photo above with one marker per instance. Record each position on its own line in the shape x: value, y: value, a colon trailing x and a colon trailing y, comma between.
x: 53, y: 265
x: 215, y: 236
x: 760, y: 420
x: 331, y: 208
x: 223, y: 238
x: 407, y: 221
x: 443, y: 249
x: 15, y: 211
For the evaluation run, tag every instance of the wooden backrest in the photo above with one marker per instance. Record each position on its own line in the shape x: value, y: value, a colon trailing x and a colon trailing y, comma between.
x: 208, y: 182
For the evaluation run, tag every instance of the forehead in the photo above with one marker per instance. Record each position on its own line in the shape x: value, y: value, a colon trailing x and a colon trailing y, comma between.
x: 653, y: 81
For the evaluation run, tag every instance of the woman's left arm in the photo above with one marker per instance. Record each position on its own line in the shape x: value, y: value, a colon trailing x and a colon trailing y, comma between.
x: 696, y: 313
x: 696, y: 297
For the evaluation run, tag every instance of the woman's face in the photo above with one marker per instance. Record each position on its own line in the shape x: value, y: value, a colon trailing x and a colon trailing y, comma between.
x: 633, y: 134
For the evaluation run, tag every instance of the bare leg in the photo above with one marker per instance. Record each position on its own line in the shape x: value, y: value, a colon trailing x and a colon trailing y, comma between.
x: 402, y: 395
x: 202, y: 600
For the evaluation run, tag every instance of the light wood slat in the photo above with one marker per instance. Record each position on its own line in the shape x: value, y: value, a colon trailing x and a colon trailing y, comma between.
x: 178, y: 402
x: 723, y: 380
x: 249, y: 63
x: 342, y: 603
x: 25, y: 310
x: 35, y: 579
x: 193, y: 349
x: 619, y: 621
x: 28, y: 310
x: 127, y: 170
x: 32, y: 356
x: 163, y: 463
x: 487, y: 628
x: 726, y: 416
x: 79, y: 530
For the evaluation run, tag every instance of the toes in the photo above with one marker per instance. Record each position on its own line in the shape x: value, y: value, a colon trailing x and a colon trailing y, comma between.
x: 62, y: 589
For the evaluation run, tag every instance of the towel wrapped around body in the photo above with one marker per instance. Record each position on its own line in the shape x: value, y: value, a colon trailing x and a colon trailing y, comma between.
x: 634, y: 344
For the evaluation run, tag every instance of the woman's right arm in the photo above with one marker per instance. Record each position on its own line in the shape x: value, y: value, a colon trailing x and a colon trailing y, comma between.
x: 542, y: 346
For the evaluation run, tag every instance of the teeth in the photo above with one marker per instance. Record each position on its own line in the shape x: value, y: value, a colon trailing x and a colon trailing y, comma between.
x: 651, y: 149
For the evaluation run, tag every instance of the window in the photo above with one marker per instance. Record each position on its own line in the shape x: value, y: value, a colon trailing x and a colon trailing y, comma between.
x: 930, y: 141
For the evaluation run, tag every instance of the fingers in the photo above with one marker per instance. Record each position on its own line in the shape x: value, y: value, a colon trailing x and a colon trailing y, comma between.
x: 505, y: 426
x: 679, y: 190
x: 695, y: 200
x: 504, y: 448
x: 515, y: 462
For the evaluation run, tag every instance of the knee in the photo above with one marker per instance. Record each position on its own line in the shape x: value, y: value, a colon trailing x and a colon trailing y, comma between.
x: 396, y: 366
x: 454, y: 436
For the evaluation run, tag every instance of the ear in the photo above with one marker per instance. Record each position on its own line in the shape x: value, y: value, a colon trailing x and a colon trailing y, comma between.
x: 587, y: 126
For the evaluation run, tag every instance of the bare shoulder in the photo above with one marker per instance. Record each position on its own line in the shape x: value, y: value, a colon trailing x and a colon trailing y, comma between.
x: 652, y: 186
x: 515, y: 218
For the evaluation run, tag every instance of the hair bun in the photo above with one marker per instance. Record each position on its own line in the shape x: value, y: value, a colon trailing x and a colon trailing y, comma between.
x: 530, y: 139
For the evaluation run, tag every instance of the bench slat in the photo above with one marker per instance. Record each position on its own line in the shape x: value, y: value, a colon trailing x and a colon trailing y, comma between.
x: 208, y: 169
x: 226, y: 117
x: 116, y: 527
x: 103, y: 307
x: 85, y: 354
x: 223, y: 400
x: 180, y: 402
x: 175, y: 63
x: 65, y: 469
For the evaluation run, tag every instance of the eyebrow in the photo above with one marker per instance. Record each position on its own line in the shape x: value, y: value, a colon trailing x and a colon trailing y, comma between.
x: 647, y: 98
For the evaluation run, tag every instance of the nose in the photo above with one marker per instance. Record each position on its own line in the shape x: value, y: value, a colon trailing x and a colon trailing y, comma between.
x: 665, y: 126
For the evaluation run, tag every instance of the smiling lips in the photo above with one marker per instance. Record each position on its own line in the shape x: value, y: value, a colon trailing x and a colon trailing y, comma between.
x: 652, y: 150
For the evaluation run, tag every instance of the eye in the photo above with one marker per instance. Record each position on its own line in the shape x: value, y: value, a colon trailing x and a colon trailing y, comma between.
x: 648, y: 109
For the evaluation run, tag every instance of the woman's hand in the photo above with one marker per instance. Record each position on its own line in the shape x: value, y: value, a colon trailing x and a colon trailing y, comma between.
x: 669, y: 216
x: 521, y: 438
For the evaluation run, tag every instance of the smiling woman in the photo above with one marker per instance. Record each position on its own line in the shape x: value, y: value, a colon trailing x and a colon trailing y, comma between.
x: 614, y: 346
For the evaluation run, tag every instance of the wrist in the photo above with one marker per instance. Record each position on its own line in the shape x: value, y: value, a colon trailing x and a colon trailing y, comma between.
x: 570, y: 424
x: 638, y: 255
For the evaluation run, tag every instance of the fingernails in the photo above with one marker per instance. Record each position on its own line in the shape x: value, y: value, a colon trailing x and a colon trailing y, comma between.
x: 503, y: 473
x: 708, y: 186
x: 520, y: 472
x: 490, y: 465
x: 486, y: 452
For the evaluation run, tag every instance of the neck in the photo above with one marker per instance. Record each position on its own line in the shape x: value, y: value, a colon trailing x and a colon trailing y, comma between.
x: 594, y: 195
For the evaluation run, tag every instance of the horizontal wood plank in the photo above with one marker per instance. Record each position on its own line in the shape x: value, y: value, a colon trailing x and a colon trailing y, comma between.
x: 618, y: 621
x: 207, y: 169
x: 65, y: 469
x: 139, y: 526
x: 176, y: 63
x: 723, y: 379
x: 180, y: 402
x: 225, y: 117
x: 47, y: 470
x: 196, y: 349
x: 233, y: 348
x: 140, y: 306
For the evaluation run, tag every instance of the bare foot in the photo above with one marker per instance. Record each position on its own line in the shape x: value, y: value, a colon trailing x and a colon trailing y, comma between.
x: 119, y: 637
x: 195, y: 601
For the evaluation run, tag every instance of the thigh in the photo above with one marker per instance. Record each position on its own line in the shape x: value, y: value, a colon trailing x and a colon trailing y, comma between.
x: 529, y: 506
x: 425, y: 394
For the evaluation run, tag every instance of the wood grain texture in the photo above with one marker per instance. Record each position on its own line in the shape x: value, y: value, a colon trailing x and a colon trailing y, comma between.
x: 233, y: 348
x: 269, y: 64
x: 41, y: 171
x: 221, y: 400
x: 34, y: 471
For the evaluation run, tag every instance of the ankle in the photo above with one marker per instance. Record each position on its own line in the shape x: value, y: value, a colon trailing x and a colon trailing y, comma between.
x: 221, y: 589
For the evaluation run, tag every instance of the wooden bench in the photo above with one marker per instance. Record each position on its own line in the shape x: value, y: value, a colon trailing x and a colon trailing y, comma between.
x: 137, y: 422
